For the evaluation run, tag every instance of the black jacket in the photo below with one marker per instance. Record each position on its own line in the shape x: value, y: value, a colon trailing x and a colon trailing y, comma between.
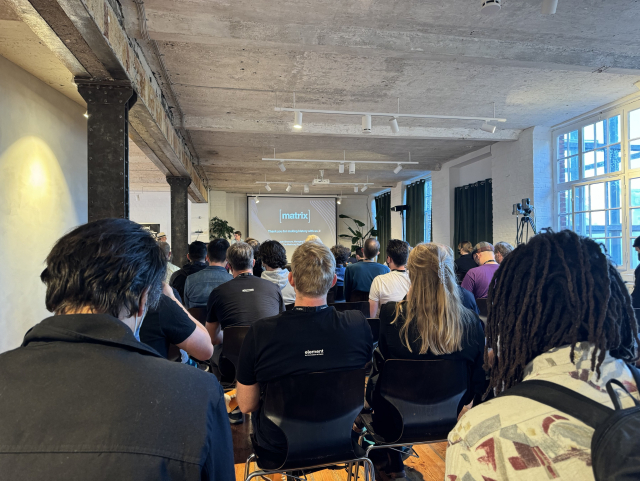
x: 179, y: 278
x: 83, y: 399
x: 464, y: 264
x: 635, y: 295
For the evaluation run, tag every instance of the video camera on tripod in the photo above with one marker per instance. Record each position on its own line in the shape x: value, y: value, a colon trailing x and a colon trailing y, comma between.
x: 525, y: 217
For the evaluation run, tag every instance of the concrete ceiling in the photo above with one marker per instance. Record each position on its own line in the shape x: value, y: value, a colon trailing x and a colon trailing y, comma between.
x: 231, y: 62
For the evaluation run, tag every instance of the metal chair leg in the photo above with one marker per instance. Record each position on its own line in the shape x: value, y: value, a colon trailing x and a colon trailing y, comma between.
x: 247, y: 465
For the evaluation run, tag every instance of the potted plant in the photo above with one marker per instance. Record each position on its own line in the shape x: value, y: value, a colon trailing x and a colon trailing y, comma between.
x: 220, y: 229
x: 358, y: 236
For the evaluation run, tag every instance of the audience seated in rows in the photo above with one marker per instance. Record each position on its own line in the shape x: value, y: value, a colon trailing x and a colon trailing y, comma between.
x: 560, y: 313
x: 196, y: 256
x: 502, y: 250
x: 258, y: 268
x: 478, y: 279
x: 432, y: 323
x: 171, y: 268
x: 170, y: 323
x: 82, y: 398
x: 311, y: 337
x: 359, y: 276
x: 199, y: 285
x: 274, y: 261
x: 465, y: 262
x: 340, y: 254
x: 394, y: 285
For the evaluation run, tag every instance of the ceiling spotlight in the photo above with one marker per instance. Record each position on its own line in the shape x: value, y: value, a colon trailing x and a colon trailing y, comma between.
x: 397, y: 169
x: 549, y: 7
x: 355, y: 188
x: 341, y: 168
x: 339, y: 201
x: 257, y: 200
x: 364, y: 187
x: 268, y: 187
x: 281, y: 166
x: 487, y: 127
x: 288, y: 189
x: 86, y: 115
x: 490, y: 6
x: 306, y: 188
x: 352, y: 168
x: 298, y: 121
x: 393, y: 123
x: 366, y: 124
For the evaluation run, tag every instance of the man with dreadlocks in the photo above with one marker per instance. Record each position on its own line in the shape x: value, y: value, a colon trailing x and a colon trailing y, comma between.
x: 558, y: 311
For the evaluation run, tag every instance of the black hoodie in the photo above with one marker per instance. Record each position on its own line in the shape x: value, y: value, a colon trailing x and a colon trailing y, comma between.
x: 179, y: 278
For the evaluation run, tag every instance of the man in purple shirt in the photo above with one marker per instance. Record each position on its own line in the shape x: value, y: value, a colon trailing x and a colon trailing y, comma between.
x: 478, y: 279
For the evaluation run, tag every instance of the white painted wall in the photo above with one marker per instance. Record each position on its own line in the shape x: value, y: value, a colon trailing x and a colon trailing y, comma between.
x: 229, y: 207
x: 43, y: 191
x: 151, y: 208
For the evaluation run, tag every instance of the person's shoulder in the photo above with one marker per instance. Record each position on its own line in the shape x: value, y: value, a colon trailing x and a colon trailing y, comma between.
x: 488, y: 414
x: 184, y: 378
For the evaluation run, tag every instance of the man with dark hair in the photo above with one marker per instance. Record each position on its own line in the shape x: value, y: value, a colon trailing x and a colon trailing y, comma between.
x: 357, y: 256
x: 341, y: 255
x: 237, y: 237
x: 562, y: 314
x: 279, y: 346
x: 199, y: 285
x: 465, y: 262
x: 82, y: 398
x: 197, y: 256
x: 478, y: 279
x: 359, y: 276
x: 391, y: 287
x: 274, y: 260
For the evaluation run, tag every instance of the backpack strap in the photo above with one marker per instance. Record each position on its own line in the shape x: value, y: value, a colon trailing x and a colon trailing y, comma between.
x: 635, y: 373
x: 590, y: 412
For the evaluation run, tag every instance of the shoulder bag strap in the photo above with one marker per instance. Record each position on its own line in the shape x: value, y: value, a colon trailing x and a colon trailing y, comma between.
x: 590, y: 412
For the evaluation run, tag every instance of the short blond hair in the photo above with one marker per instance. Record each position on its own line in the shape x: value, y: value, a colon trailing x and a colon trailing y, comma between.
x: 313, y: 238
x: 313, y: 267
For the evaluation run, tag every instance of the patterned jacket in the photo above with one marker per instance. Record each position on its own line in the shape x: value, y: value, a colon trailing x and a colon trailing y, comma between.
x: 519, y: 439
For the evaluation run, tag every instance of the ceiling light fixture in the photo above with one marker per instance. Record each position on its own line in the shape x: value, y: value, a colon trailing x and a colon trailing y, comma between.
x: 351, y: 162
x: 341, y: 168
x: 393, y: 123
x: 288, y: 189
x: 366, y: 124
x: 355, y: 188
x: 549, y: 7
x: 282, y: 167
x: 487, y: 127
x: 364, y: 187
x: 306, y: 188
x: 297, y: 124
x: 490, y: 6
x: 352, y: 168
x: 268, y: 188
x: 397, y: 169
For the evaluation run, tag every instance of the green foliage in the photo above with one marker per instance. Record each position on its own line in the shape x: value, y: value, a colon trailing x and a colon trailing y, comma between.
x: 220, y: 229
x: 358, y: 236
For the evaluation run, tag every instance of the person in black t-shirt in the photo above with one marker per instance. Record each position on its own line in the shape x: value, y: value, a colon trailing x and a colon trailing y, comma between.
x: 170, y: 323
x: 409, y: 331
x: 465, y: 262
x: 282, y: 345
x: 197, y: 256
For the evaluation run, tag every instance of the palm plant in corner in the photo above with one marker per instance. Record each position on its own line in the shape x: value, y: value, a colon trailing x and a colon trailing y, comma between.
x: 358, y: 236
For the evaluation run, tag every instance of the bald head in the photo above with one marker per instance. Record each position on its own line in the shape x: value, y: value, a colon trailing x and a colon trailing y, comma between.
x: 371, y: 248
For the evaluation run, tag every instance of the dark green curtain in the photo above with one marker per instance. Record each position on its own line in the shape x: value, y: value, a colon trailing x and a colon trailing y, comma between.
x: 473, y: 214
x: 415, y: 215
x: 383, y: 224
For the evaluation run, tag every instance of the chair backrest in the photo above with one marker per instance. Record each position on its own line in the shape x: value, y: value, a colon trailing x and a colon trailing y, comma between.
x: 374, y: 324
x: 352, y: 306
x: 316, y: 413
x: 358, y: 296
x: 199, y: 313
x: 417, y: 401
x: 331, y: 295
x: 482, y: 306
x: 231, y: 345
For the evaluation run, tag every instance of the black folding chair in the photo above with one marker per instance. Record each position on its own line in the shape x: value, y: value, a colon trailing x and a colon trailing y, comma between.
x: 358, y: 296
x: 316, y: 413
x: 482, y: 307
x: 231, y: 345
x: 416, y: 402
x: 199, y: 313
x: 352, y: 306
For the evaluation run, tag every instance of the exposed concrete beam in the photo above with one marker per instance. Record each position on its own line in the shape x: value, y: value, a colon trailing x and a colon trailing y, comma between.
x: 92, y: 34
x: 347, y: 130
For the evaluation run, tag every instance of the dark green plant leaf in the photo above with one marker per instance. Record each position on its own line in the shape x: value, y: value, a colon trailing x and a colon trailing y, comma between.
x: 355, y: 240
x: 346, y: 236
x: 359, y: 223
x: 344, y: 216
x: 352, y: 231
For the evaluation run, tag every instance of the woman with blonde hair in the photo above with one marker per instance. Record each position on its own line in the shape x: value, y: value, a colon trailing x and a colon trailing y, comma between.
x: 435, y: 321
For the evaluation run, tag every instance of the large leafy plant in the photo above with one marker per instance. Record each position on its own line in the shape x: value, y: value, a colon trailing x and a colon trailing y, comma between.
x: 358, y: 236
x: 220, y: 229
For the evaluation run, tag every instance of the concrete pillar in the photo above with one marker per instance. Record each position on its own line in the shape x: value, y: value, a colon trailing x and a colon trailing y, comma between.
x: 108, y: 105
x: 179, y: 219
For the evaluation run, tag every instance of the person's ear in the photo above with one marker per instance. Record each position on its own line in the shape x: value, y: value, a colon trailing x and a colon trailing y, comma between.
x: 293, y: 284
x: 206, y: 258
x: 188, y: 258
x: 254, y: 263
x: 388, y: 260
x: 335, y: 279
x: 142, y: 302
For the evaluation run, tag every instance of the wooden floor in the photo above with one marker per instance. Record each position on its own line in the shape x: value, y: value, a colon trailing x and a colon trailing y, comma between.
x: 428, y: 467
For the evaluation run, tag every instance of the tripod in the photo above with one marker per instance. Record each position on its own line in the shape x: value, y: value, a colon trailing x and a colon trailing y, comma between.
x: 522, y: 224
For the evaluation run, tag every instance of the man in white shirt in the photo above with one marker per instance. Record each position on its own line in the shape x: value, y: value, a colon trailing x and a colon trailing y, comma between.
x: 391, y: 287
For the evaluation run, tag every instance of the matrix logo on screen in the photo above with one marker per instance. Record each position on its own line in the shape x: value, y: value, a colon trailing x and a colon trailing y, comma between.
x: 295, y: 216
